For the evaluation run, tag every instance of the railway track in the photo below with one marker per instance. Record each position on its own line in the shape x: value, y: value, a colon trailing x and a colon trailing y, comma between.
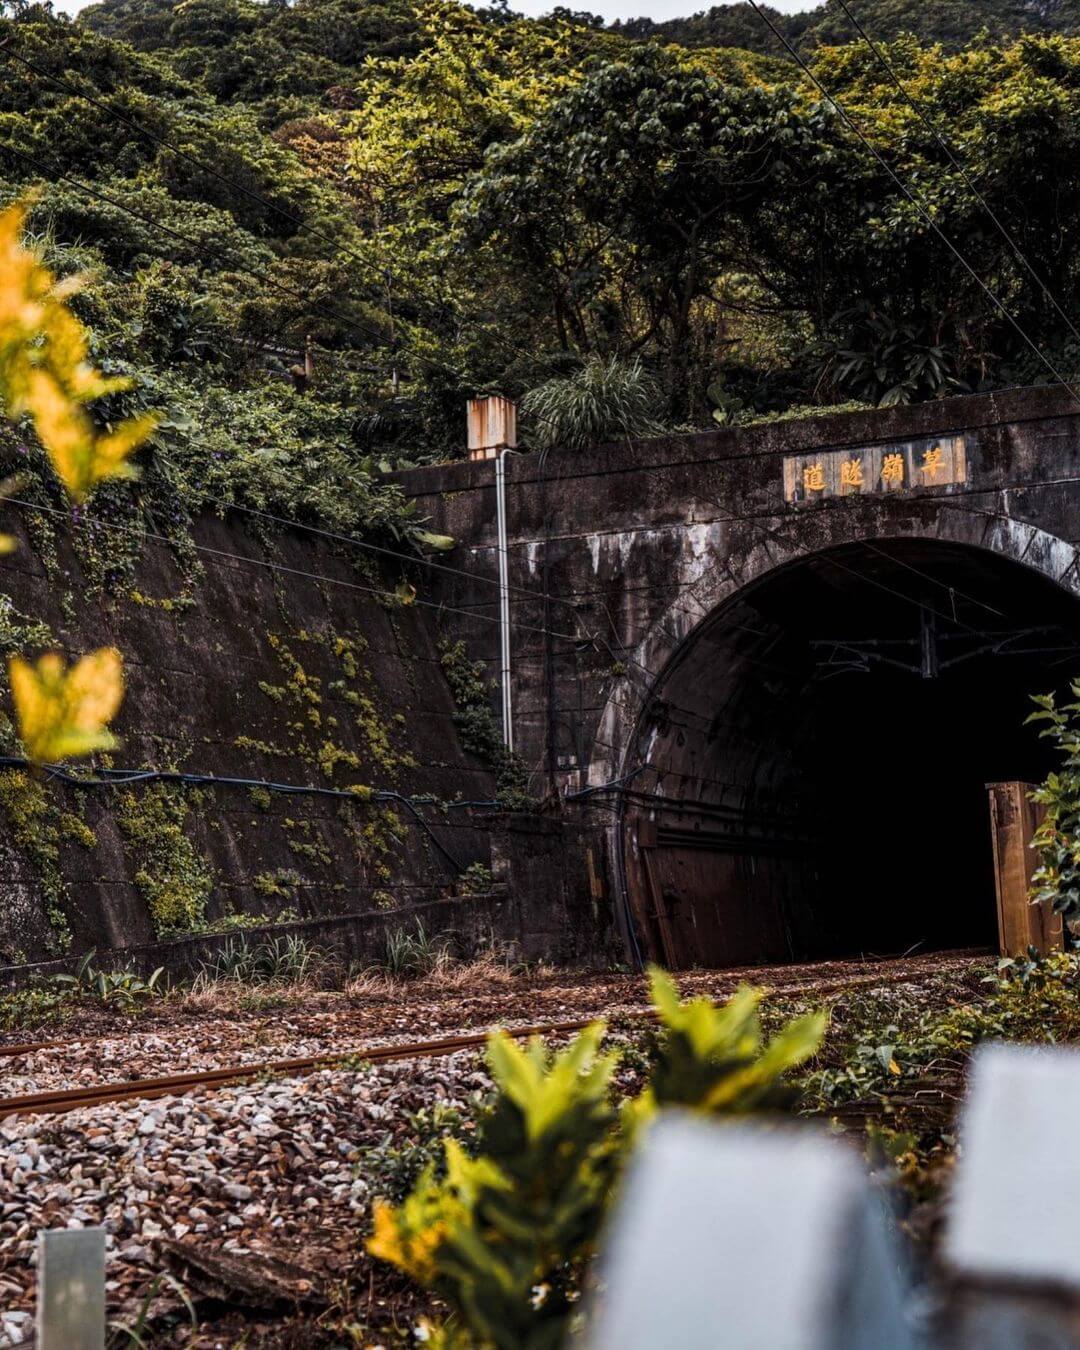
x: 60, y: 1100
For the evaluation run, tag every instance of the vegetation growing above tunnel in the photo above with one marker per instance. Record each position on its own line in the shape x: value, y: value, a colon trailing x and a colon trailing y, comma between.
x: 327, y: 168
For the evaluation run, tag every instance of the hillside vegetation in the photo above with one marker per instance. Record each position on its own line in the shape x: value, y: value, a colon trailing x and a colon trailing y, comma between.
x: 448, y: 201
x: 951, y: 22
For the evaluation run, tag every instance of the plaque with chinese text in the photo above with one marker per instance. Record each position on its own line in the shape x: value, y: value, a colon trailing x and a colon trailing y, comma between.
x: 935, y: 463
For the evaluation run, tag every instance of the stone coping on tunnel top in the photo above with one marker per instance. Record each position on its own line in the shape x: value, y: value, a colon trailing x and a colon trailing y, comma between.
x: 964, y: 412
x: 352, y: 936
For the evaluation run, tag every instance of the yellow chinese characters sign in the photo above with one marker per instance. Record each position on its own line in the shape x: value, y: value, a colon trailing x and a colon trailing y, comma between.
x: 936, y: 464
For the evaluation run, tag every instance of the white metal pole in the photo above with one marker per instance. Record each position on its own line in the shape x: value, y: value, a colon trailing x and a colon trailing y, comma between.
x: 504, y: 601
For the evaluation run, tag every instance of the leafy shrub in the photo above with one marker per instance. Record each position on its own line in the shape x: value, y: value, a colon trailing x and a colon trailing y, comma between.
x: 504, y: 1236
x: 36, y: 1005
x: 475, y: 880
x: 477, y: 728
x: 712, y: 1059
x: 883, y: 362
x: 601, y: 401
x: 121, y: 987
x: 396, y: 1168
x: 1027, y: 1000
x: 1057, y: 840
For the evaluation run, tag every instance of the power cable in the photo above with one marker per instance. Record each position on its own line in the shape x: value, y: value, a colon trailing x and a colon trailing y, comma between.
x: 117, y: 778
x: 915, y: 201
x: 920, y: 114
x: 379, y: 548
x: 224, y: 555
x: 952, y: 590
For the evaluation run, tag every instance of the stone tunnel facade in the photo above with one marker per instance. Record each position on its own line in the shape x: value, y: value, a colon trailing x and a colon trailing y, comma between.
x: 760, y: 679
x: 772, y: 668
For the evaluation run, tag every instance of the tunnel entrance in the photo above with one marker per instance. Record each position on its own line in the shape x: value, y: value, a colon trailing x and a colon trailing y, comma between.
x: 814, y: 761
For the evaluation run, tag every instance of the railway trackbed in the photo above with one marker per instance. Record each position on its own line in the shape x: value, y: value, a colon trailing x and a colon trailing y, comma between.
x: 60, y: 1100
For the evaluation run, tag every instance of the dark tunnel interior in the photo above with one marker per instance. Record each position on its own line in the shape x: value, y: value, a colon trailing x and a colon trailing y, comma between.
x: 816, y: 756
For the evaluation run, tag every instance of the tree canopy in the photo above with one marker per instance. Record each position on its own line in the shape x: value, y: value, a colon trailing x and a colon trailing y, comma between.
x: 438, y: 201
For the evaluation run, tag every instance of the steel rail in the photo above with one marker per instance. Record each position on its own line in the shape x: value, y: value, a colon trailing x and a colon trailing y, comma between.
x: 57, y: 1101
x: 924, y: 963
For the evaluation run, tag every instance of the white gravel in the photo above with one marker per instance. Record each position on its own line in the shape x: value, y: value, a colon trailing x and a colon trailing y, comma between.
x: 269, y: 1167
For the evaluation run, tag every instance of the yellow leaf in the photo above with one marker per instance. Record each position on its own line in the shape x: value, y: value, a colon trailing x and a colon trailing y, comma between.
x: 8, y: 543
x: 64, y: 712
x: 45, y: 370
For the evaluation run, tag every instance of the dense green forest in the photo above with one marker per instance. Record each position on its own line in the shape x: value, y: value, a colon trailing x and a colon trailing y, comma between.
x: 950, y: 22
x: 446, y: 201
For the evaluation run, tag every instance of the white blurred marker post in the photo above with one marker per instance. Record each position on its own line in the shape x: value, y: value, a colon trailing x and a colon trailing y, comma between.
x: 71, y: 1289
x: 1012, y: 1240
x: 731, y: 1237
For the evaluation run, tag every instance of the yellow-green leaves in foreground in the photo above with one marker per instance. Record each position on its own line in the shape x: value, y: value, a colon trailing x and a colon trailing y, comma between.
x: 45, y: 371
x: 504, y: 1236
x: 46, y: 374
x: 65, y: 712
x: 712, y: 1058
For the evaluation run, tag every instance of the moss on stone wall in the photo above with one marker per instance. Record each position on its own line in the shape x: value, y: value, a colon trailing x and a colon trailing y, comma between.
x: 477, y: 728
x: 34, y: 820
x: 170, y: 873
x: 310, y: 730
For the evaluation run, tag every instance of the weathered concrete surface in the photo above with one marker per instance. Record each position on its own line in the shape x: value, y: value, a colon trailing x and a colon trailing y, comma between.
x: 627, y: 562
x: 267, y: 675
x: 547, y: 904
x: 464, y: 922
x: 636, y: 543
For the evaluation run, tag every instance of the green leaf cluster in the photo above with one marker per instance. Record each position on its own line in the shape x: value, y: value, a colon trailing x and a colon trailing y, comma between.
x: 1057, y: 839
x: 505, y: 1236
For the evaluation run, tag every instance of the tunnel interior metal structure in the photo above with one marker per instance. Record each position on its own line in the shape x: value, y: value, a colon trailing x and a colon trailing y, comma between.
x: 809, y: 773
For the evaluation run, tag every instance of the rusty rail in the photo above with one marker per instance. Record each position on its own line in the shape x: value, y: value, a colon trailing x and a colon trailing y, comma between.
x: 57, y: 1101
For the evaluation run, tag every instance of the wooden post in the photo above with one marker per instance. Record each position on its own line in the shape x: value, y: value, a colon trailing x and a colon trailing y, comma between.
x: 1013, y: 821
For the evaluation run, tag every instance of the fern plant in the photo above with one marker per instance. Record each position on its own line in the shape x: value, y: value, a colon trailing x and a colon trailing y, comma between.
x: 504, y: 1237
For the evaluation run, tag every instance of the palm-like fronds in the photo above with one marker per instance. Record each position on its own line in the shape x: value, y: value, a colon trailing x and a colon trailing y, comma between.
x: 602, y: 401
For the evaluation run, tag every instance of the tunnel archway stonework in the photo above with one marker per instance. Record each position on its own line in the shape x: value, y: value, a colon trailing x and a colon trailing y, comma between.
x: 704, y: 587
x: 721, y: 863
x: 627, y: 562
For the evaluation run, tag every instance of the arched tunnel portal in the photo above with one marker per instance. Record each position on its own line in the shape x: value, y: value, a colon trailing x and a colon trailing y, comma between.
x: 810, y: 769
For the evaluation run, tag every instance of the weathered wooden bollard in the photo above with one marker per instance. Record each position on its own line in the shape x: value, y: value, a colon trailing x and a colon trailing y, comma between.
x: 1012, y: 1238
x: 744, y: 1238
x: 71, y: 1289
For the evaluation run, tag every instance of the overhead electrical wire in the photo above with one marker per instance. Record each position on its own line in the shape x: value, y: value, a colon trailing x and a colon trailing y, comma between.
x: 915, y: 200
x: 154, y: 223
x: 925, y: 120
x: 115, y: 778
x: 224, y: 555
x: 365, y: 544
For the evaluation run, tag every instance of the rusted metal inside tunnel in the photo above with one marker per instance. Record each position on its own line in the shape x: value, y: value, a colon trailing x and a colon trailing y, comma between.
x: 814, y: 758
